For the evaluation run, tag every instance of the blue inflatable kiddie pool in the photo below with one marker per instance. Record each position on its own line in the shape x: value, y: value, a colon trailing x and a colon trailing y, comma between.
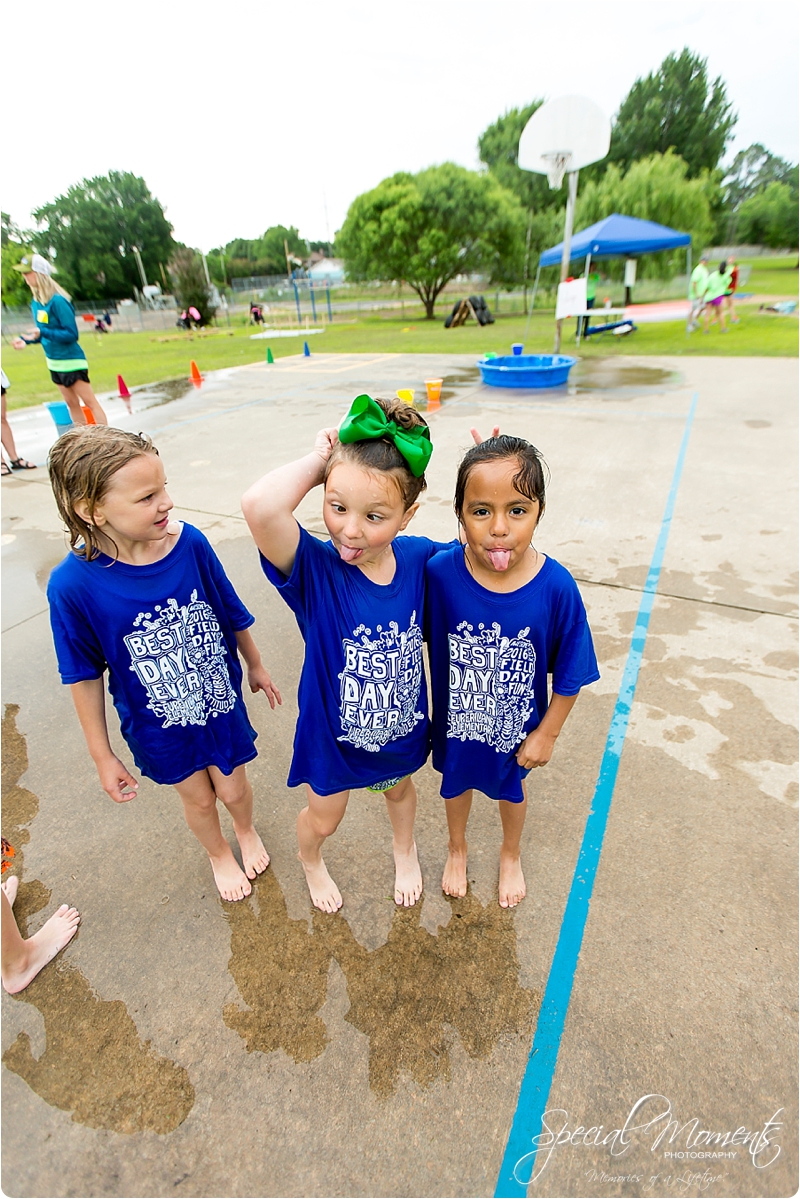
x: 526, y: 370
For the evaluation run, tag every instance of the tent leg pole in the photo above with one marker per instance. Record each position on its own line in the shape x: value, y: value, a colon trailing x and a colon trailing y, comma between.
x: 689, y: 287
x: 533, y: 301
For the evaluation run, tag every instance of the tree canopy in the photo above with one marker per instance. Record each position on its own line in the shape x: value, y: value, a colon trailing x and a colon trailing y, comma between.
x: 90, y: 232
x: 769, y: 218
x: 429, y: 227
x: 674, y: 108
x: 263, y: 255
x: 16, y: 292
x: 653, y: 189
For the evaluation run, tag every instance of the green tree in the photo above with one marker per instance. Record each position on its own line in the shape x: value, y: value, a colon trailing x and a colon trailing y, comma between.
x: 769, y: 218
x: 263, y: 255
x: 674, y: 108
x: 189, y: 283
x: 91, y: 232
x: 498, y: 148
x: 751, y: 171
x: 428, y: 228
x: 654, y: 189
x: 16, y: 293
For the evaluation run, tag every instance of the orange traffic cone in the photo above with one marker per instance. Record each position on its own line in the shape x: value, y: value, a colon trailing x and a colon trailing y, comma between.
x: 124, y: 394
x: 195, y: 376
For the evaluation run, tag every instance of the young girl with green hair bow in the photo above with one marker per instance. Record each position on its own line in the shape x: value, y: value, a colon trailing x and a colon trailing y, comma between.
x: 358, y: 600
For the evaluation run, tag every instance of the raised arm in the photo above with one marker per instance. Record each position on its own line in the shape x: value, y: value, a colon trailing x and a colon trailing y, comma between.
x: 269, y: 505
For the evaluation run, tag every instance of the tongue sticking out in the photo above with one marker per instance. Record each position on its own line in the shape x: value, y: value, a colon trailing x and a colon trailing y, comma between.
x: 348, y: 553
x: 499, y: 558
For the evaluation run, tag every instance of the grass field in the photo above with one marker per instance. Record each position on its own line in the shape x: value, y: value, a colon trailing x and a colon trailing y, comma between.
x: 146, y: 357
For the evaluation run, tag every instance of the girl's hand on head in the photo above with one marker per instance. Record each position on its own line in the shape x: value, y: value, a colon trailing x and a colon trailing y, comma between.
x: 259, y: 680
x: 324, y: 442
x: 476, y: 437
x: 536, y: 749
x: 117, y: 781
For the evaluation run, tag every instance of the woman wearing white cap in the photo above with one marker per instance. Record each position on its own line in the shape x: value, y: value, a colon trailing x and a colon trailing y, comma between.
x: 58, y: 333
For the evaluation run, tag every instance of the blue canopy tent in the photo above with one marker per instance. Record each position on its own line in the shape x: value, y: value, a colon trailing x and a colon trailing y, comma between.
x: 617, y: 236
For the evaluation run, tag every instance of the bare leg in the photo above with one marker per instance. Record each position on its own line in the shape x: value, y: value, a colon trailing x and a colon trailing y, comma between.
x: 87, y: 397
x: 401, y: 804
x: 722, y: 319
x: 454, y: 879
x: 236, y: 793
x: 73, y: 403
x: 511, y: 888
x: 22, y: 960
x: 9, y: 445
x: 200, y: 808
x: 321, y: 817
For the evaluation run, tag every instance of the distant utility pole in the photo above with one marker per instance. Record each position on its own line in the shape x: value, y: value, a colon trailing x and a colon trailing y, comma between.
x: 138, y: 258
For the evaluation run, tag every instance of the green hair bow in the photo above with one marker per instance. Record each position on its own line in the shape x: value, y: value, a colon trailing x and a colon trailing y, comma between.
x: 366, y: 421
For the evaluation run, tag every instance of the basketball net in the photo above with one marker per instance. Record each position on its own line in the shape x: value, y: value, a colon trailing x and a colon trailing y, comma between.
x: 557, y: 163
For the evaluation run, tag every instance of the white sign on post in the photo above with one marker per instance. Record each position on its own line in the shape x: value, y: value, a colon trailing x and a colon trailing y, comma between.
x: 571, y: 299
x: 630, y: 272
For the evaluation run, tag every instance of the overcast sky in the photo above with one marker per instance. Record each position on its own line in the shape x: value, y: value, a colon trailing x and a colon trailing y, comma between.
x: 245, y: 115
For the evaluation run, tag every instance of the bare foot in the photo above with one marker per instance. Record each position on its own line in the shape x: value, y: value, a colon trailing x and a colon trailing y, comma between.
x: 407, y: 877
x: 454, y: 879
x: 43, y: 946
x: 325, y: 895
x: 254, y: 856
x: 512, y: 881
x: 232, y: 884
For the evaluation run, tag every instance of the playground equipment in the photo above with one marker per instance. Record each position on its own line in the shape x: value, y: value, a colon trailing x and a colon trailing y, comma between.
x: 306, y: 351
x: 270, y: 359
x: 195, y: 375
x: 562, y: 136
x: 526, y: 370
x: 475, y: 307
x: 122, y: 388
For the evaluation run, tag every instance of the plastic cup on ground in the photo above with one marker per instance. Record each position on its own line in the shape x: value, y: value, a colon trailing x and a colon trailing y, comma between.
x: 517, y: 347
x: 89, y: 415
x: 406, y: 394
x: 434, y: 390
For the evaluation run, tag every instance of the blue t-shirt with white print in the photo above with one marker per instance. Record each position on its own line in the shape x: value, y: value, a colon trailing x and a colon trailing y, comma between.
x: 166, y: 633
x: 490, y: 655
x: 362, y: 697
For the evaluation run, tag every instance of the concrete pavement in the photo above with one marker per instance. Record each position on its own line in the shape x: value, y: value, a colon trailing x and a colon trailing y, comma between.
x: 181, y: 1046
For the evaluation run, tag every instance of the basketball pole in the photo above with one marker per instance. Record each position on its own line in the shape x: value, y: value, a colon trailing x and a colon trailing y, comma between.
x: 572, y: 192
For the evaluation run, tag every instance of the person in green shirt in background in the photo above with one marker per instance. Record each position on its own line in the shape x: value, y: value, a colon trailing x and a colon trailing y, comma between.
x: 697, y: 292
x: 718, y: 283
x: 592, y: 280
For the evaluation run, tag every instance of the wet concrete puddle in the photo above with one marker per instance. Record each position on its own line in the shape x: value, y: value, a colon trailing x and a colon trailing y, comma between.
x: 408, y: 996
x: 608, y: 377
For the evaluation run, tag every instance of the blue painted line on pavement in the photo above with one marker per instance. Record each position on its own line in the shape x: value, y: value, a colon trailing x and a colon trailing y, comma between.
x: 519, y: 1161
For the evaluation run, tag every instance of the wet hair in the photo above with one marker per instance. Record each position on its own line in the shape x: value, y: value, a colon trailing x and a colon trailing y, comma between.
x: 381, y: 455
x: 529, y: 480
x: 81, y: 464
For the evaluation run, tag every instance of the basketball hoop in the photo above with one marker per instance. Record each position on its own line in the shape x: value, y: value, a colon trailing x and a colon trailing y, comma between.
x: 557, y: 162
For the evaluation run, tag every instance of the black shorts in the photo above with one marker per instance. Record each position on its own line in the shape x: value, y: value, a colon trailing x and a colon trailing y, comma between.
x: 69, y: 378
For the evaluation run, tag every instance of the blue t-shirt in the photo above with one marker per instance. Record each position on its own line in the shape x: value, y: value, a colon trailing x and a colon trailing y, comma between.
x: 166, y: 633
x: 362, y: 697
x: 490, y: 655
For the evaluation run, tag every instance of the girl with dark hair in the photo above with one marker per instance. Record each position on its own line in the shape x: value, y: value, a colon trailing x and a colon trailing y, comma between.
x: 501, y: 617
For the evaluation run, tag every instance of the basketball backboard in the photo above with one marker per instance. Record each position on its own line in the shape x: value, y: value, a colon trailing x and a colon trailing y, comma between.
x: 565, y: 134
